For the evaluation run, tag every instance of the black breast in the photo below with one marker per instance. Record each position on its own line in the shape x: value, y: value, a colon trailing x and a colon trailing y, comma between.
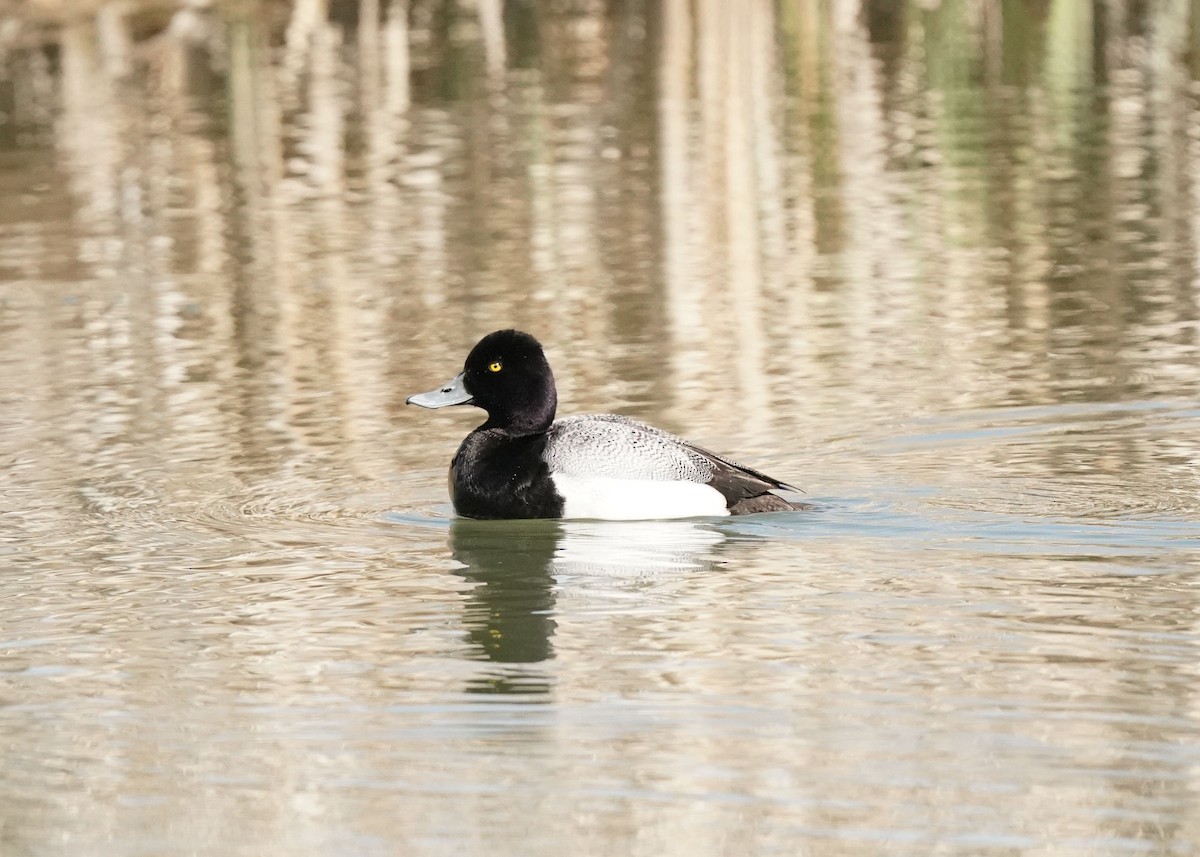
x: 494, y: 475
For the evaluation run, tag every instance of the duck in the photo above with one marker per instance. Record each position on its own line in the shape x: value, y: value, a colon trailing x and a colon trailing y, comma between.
x: 523, y: 463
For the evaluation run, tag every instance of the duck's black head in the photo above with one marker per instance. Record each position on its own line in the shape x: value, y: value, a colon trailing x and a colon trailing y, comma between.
x: 507, y: 375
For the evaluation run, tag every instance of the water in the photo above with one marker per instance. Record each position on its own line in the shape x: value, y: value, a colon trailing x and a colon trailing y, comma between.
x: 936, y: 263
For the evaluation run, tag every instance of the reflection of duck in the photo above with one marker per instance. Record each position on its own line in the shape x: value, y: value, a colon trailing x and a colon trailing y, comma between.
x: 523, y: 464
x: 510, y: 615
x: 634, y: 548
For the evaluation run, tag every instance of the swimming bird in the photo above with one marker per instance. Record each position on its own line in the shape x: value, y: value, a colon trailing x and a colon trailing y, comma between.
x: 522, y: 463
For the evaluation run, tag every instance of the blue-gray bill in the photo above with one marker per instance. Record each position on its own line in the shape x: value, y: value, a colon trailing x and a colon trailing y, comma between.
x: 453, y: 392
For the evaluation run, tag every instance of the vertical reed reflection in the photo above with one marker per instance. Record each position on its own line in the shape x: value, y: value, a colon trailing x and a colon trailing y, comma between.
x: 804, y: 209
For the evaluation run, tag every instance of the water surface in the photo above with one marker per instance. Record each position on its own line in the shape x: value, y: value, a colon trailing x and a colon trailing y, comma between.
x: 936, y: 263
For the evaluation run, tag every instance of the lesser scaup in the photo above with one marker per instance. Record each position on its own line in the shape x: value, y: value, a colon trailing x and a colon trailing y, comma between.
x: 521, y: 463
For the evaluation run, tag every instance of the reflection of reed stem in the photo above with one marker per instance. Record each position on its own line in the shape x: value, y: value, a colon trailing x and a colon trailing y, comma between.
x: 397, y: 58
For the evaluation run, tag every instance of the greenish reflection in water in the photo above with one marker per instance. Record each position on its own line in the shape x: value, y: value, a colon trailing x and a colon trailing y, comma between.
x: 510, y: 613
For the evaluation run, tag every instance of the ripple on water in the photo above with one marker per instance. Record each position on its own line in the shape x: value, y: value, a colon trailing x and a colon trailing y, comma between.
x: 1065, y: 478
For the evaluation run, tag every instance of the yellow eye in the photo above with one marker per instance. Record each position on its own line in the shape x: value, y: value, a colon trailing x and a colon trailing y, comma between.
x: 495, y: 366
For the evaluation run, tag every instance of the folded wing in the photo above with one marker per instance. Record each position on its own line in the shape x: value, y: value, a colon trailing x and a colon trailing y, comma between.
x: 587, y: 446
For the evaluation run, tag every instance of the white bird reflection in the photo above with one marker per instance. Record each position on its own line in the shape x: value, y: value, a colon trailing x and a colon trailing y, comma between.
x: 634, y: 548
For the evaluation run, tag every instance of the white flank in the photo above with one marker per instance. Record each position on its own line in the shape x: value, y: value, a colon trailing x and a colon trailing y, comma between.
x: 608, y: 499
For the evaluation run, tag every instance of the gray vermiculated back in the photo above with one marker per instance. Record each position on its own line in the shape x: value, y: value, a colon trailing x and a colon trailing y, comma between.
x: 611, y: 445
